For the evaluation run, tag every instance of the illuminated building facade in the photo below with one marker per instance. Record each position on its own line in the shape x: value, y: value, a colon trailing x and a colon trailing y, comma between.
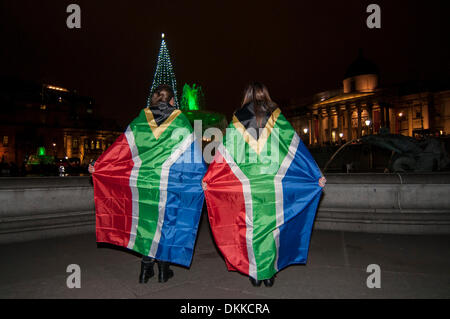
x: 361, y: 107
x: 41, y: 119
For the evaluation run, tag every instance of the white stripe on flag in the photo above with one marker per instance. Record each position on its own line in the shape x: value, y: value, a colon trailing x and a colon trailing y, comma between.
x: 133, y: 185
x: 279, y: 209
x: 248, y: 208
x: 165, y: 170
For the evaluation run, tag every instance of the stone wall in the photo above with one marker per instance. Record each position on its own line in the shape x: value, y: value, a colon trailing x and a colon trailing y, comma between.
x: 46, y: 207
x: 386, y: 203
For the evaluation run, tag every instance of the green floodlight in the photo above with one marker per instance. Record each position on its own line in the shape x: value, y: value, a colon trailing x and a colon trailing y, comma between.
x: 41, y: 151
x: 192, y: 97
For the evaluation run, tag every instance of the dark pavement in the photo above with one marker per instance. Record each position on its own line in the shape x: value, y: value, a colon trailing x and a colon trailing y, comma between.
x: 412, y: 266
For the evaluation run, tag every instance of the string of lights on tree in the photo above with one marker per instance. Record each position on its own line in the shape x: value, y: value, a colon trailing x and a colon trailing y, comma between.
x: 164, y: 73
x: 192, y: 100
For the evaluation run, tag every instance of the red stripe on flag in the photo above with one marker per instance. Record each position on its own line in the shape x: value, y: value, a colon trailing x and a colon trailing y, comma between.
x: 227, y: 213
x: 112, y: 193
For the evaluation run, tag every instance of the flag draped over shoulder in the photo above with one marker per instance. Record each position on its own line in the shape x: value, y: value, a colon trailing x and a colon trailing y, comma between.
x: 262, y: 195
x: 147, y: 188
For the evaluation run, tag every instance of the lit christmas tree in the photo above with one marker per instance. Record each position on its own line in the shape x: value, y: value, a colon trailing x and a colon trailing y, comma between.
x: 164, y: 72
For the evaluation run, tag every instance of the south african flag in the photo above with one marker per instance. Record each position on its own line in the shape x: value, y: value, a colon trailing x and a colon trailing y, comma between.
x: 262, y: 195
x: 147, y: 188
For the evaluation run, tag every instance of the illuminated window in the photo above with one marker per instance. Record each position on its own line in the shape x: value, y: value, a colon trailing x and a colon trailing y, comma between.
x: 97, y: 144
x: 75, y: 143
x: 43, y: 107
x: 5, y: 140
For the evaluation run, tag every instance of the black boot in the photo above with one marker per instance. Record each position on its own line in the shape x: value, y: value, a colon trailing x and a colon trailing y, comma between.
x: 255, y: 282
x: 147, y: 271
x: 165, y: 273
x: 269, y: 282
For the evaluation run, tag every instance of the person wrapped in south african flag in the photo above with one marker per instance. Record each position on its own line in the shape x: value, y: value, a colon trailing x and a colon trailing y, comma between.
x: 147, y: 187
x: 262, y: 191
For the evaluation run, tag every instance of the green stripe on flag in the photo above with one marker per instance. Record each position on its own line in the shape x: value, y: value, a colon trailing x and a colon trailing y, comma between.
x: 261, y: 170
x: 153, y: 153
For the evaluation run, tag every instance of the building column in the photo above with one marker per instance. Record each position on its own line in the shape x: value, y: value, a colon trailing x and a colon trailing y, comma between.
x: 319, y: 118
x: 387, y: 115
x: 383, y: 122
x: 68, y: 146
x: 369, y: 106
x: 359, y: 120
x: 430, y: 111
x: 410, y: 120
x: 316, y: 132
x: 339, y: 120
x: 349, y: 122
x: 311, y: 130
x: 330, y: 124
x: 82, y: 149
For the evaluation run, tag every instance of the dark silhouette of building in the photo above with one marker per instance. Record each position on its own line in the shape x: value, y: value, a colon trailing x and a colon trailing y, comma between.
x: 42, y: 119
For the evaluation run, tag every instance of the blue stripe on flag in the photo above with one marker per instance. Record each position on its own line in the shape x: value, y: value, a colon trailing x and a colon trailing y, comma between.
x: 301, y: 195
x: 183, y: 207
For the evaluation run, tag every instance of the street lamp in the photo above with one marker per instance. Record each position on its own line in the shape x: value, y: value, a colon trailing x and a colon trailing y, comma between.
x: 368, y: 125
x: 305, y: 130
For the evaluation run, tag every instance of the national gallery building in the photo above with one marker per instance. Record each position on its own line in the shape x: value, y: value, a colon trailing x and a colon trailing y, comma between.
x: 361, y: 107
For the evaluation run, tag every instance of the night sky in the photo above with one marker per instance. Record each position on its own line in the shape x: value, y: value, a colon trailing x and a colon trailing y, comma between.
x: 297, y: 48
